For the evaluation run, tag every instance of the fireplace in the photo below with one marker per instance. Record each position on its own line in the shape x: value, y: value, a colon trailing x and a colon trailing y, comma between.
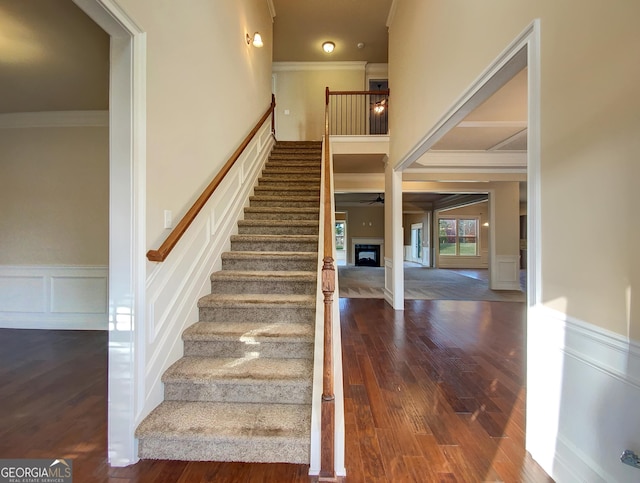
x: 367, y: 255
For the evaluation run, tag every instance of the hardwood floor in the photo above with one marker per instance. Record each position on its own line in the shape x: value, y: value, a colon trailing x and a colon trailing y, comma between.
x: 433, y: 394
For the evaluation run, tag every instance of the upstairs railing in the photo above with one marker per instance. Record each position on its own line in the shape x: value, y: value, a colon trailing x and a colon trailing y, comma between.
x: 327, y: 422
x: 161, y: 253
x: 358, y: 113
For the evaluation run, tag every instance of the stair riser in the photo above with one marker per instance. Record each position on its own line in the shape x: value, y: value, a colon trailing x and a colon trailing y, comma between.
x: 277, y: 230
x: 242, y: 449
x: 268, y: 392
x: 262, y: 287
x: 281, y: 203
x: 274, y: 183
x: 284, y: 192
x: 312, y: 172
x: 297, y: 156
x: 284, y: 315
x: 278, y: 215
x: 269, y: 264
x: 237, y: 348
x: 273, y: 246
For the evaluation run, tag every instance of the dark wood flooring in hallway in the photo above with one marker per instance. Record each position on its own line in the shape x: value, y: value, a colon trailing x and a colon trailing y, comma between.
x: 433, y: 394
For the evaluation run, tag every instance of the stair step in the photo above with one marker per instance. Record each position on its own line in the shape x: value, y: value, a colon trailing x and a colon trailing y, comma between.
x: 257, y: 308
x: 274, y: 243
x: 311, y: 171
x: 209, y: 431
x: 269, y: 261
x: 298, y: 180
x: 276, y: 213
x: 289, y: 190
x: 285, y: 202
x: 240, y: 339
x: 278, y: 227
x: 229, y: 379
x: 281, y: 282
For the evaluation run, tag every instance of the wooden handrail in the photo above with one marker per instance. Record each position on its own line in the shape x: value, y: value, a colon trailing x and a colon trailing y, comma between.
x: 327, y: 436
x: 161, y: 253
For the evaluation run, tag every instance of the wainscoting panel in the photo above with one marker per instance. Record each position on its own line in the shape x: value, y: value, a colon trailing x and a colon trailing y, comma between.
x: 505, y: 273
x: 175, y: 285
x: 54, y: 297
x: 582, y: 403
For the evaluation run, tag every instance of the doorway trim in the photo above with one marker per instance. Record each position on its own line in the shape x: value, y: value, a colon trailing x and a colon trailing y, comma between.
x: 127, y: 193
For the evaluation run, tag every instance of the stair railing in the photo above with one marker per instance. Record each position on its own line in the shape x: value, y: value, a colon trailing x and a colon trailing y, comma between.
x: 358, y: 113
x: 161, y: 253
x: 327, y: 422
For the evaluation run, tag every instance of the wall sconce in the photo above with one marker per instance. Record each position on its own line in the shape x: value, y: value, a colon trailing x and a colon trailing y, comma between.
x: 256, y: 40
x: 328, y: 47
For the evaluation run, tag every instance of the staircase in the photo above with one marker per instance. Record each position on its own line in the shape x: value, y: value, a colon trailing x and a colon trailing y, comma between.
x: 242, y: 391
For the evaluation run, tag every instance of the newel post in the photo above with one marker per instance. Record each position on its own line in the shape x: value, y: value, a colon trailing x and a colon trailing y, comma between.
x: 327, y: 466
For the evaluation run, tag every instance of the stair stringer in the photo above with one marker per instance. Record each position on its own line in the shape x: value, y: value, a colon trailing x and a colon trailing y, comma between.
x: 339, y: 435
x: 174, y: 286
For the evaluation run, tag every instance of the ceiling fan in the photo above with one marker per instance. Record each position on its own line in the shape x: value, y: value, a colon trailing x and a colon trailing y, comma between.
x: 379, y: 199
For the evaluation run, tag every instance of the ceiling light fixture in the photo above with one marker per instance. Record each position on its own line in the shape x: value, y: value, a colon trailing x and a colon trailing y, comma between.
x: 328, y: 47
x: 256, y: 40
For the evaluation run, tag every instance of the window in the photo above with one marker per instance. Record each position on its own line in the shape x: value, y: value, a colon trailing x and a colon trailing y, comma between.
x: 340, y: 229
x: 458, y: 236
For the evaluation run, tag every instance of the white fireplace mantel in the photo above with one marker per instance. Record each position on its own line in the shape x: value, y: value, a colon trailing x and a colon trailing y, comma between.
x: 366, y: 241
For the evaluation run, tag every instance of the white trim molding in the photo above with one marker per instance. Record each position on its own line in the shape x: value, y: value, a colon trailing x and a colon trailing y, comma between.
x: 53, y: 297
x: 474, y: 160
x: 505, y: 272
x: 579, y: 373
x: 25, y: 120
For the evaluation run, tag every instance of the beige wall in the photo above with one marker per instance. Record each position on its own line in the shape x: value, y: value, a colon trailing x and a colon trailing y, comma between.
x: 362, y: 222
x: 54, y: 193
x: 589, y: 125
x: 206, y: 89
x: 300, y: 89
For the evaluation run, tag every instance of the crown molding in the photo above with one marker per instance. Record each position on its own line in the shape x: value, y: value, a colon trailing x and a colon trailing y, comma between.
x: 314, y: 66
x: 16, y: 120
x: 272, y: 9
x: 392, y: 13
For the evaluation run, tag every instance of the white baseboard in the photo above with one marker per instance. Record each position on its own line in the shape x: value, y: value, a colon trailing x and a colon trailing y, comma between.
x: 582, y: 403
x: 54, y: 297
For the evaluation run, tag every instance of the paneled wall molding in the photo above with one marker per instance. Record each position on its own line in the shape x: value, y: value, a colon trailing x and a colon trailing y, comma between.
x: 175, y: 285
x: 54, y: 119
x: 54, y: 297
x: 588, y: 374
x: 505, y: 272
x: 314, y: 66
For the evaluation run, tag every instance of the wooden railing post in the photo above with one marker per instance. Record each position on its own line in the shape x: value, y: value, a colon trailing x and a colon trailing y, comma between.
x: 327, y: 419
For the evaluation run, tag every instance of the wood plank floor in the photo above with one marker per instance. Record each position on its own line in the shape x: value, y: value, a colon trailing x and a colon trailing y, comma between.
x: 433, y: 394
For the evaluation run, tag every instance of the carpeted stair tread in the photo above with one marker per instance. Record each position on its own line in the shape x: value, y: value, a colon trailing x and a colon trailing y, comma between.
x: 295, y: 276
x: 202, y: 370
x: 270, y: 261
x: 257, y: 300
x: 282, y: 227
x: 213, y: 431
x: 276, y: 238
x: 274, y: 255
x: 254, y: 331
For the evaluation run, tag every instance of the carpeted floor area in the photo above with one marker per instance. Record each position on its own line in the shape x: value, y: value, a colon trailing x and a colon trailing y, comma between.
x: 425, y: 284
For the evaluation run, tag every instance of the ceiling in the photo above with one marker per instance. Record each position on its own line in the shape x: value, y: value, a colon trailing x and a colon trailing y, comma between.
x: 43, y: 67
x: 301, y: 26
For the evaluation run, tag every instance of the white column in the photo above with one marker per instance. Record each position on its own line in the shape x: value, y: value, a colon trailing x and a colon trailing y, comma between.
x: 393, y: 256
